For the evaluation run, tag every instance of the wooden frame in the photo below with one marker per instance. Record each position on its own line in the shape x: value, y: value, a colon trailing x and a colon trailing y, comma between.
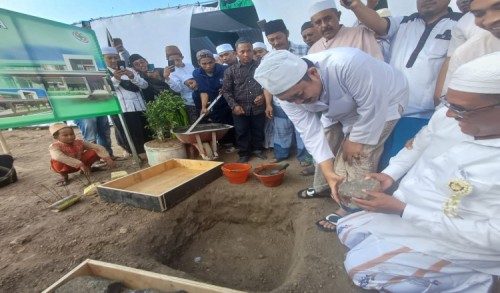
x: 162, y: 186
x: 136, y: 279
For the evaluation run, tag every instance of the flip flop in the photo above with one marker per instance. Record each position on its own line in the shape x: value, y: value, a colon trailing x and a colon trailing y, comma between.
x: 310, y: 193
x: 332, y: 219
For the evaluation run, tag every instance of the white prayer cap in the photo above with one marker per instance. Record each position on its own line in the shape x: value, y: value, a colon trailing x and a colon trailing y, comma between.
x: 320, y: 6
x: 279, y: 71
x: 109, y: 51
x: 259, y: 45
x: 481, y: 75
x: 224, y: 48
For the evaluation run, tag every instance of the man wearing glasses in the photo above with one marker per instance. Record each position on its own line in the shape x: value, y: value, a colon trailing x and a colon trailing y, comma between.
x: 440, y: 232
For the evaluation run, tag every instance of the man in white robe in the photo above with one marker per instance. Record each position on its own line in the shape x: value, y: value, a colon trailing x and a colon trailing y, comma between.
x: 440, y: 232
x: 343, y: 84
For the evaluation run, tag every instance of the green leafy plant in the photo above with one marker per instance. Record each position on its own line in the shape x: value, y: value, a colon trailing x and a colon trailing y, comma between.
x: 164, y: 113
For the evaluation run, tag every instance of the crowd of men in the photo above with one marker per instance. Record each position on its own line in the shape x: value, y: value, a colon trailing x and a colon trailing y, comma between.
x: 349, y: 101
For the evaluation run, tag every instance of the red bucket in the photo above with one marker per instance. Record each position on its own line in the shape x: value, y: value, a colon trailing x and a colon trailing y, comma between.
x: 269, y: 180
x: 236, y: 173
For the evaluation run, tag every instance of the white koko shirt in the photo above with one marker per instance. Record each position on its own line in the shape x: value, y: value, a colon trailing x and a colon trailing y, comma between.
x: 419, y: 50
x: 441, y: 152
x: 130, y: 101
x: 359, y: 91
x: 176, y: 79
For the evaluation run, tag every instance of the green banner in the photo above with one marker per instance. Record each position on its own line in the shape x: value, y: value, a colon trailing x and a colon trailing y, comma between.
x: 230, y: 4
x: 50, y: 72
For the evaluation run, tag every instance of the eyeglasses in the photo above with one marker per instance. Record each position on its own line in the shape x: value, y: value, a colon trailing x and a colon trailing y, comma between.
x: 459, y: 111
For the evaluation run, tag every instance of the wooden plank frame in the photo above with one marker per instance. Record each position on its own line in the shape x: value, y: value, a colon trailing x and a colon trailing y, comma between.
x: 160, y: 187
x: 136, y: 279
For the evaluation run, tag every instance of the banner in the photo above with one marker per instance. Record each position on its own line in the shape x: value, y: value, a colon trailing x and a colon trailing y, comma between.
x: 230, y: 4
x: 50, y: 72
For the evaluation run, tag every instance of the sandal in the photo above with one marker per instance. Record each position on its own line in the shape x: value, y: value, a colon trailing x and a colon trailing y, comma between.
x: 332, y: 220
x: 309, y: 193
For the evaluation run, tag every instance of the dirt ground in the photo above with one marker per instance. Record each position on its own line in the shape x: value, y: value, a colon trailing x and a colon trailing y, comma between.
x: 247, y: 237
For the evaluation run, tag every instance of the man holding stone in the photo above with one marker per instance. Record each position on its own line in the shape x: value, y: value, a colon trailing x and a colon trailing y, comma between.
x: 439, y: 232
x: 343, y: 84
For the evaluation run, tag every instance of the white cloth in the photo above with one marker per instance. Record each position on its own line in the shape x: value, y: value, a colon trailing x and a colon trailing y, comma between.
x: 481, y: 43
x: 481, y: 75
x: 279, y: 71
x: 320, y: 6
x: 359, y: 91
x: 109, y: 51
x: 130, y: 101
x: 176, y: 82
x: 441, y: 152
x: 259, y: 45
x: 462, y: 31
x: 419, y: 54
x: 374, y: 263
x: 224, y: 48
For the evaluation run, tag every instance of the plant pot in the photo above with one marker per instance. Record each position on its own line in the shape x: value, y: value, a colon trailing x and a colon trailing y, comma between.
x: 161, y: 151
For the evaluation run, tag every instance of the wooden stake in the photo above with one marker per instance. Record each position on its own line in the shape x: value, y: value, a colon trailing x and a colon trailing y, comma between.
x: 3, y: 144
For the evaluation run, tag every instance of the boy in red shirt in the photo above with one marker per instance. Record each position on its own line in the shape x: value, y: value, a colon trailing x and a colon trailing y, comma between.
x: 68, y: 154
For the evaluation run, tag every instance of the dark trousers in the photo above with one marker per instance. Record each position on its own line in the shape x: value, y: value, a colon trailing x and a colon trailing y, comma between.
x: 136, y: 123
x: 249, y: 131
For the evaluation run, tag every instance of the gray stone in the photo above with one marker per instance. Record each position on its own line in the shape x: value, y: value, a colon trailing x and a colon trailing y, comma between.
x: 348, y: 190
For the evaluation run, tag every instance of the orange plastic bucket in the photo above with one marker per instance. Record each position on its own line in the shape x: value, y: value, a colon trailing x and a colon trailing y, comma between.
x: 236, y: 173
x: 269, y: 180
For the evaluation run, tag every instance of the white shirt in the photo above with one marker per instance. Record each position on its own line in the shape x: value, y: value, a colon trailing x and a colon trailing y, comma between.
x: 441, y: 153
x: 462, y: 31
x: 419, y: 50
x: 130, y: 101
x: 359, y: 91
x: 176, y: 83
x: 481, y: 43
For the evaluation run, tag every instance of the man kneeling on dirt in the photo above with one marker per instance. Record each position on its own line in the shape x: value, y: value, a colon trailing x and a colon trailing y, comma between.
x: 440, y: 232
x: 346, y: 85
x: 69, y: 155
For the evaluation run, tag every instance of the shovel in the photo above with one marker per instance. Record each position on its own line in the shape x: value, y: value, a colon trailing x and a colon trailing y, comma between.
x: 203, y: 115
x: 275, y: 171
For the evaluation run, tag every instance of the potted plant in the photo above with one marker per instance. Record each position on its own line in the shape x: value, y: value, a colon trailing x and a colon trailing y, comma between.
x: 164, y: 113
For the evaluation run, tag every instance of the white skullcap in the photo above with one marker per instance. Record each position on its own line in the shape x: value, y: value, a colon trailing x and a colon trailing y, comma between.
x: 224, y: 48
x: 481, y: 75
x: 259, y: 45
x: 279, y: 71
x: 109, y: 51
x: 320, y: 6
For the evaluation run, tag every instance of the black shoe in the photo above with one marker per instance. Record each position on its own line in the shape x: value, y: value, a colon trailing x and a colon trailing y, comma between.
x: 260, y: 154
x: 243, y: 159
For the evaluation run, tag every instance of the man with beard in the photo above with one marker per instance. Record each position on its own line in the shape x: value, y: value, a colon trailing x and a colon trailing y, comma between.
x: 419, y: 43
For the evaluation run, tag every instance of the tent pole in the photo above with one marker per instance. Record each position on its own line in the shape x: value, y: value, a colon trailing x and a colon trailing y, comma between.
x: 130, y: 142
x: 3, y: 144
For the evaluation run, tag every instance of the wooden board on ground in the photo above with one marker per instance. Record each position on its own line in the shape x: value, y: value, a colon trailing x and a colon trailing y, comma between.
x: 160, y: 187
x: 136, y: 279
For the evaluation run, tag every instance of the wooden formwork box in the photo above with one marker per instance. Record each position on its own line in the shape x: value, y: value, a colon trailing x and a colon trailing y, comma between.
x: 136, y: 279
x: 162, y: 186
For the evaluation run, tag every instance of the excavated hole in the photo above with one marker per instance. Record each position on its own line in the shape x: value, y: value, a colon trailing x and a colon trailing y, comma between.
x: 240, y: 245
